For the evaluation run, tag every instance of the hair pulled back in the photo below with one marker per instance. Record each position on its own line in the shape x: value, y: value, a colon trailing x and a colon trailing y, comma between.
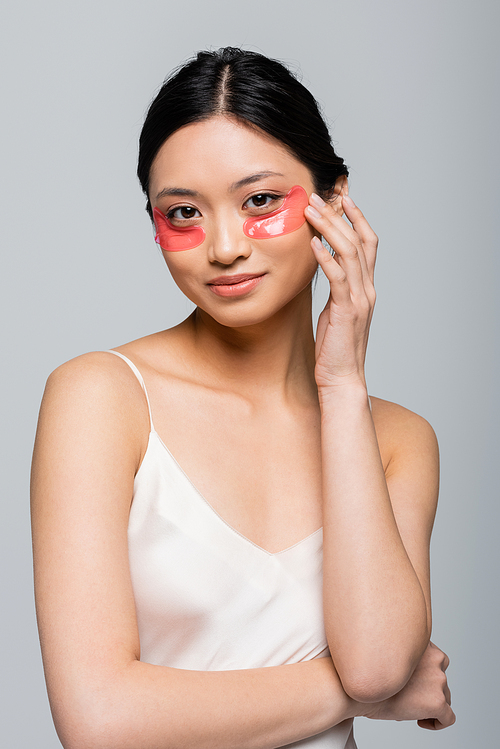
x: 252, y: 88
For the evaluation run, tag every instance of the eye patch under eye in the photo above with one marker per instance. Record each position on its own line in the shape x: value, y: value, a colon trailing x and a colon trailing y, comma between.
x: 287, y: 218
x: 176, y: 238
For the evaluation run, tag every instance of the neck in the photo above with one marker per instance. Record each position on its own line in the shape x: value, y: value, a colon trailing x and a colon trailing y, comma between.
x: 273, y: 358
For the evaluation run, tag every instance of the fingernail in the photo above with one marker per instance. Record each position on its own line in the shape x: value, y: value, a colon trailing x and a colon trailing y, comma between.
x: 313, y: 212
x: 317, y: 201
x: 348, y: 201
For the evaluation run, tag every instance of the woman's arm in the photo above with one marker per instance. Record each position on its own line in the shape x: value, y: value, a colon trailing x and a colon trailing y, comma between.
x: 376, y: 529
x: 86, y: 455
x: 376, y: 563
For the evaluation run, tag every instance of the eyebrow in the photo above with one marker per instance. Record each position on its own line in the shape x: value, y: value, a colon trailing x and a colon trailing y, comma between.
x: 185, y: 192
x: 177, y: 191
x: 253, y: 178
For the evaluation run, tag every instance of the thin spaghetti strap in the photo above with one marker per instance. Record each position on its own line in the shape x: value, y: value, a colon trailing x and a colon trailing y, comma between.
x: 139, y: 377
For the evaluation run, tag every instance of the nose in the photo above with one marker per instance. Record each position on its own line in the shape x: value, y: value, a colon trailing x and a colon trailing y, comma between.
x: 227, y: 242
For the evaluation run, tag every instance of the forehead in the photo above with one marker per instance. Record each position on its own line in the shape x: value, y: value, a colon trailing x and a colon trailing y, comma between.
x: 218, y: 152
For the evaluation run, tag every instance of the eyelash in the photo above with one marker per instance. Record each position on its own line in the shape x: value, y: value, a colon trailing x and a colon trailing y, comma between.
x: 273, y: 196
x: 171, y: 213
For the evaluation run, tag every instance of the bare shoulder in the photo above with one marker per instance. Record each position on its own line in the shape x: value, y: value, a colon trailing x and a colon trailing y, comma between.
x: 98, y: 380
x: 393, y: 419
x: 409, y: 449
x: 95, y: 393
x: 96, y: 369
x: 402, y: 434
x: 102, y: 385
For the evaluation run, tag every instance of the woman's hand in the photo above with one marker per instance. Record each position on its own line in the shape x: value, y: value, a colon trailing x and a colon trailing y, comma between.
x: 425, y: 698
x: 343, y: 326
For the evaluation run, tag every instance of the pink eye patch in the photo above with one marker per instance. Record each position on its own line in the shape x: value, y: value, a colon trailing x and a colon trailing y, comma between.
x: 176, y: 238
x: 287, y: 218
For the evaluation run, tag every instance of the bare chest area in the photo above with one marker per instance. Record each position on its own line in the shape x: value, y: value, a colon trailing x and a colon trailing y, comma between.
x: 258, y: 466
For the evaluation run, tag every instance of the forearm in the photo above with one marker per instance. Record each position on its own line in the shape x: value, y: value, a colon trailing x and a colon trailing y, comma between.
x: 152, y: 707
x: 375, y: 610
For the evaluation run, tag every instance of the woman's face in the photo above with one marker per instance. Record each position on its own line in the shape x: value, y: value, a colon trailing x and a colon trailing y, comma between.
x: 216, y: 174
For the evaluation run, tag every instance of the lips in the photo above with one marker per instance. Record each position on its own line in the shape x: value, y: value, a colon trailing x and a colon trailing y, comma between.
x: 231, y: 280
x: 235, y: 286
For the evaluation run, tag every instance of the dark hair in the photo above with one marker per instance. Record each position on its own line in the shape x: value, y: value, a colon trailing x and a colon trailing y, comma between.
x: 252, y: 88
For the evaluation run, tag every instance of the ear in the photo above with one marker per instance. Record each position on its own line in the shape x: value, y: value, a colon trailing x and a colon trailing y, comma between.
x: 341, y: 188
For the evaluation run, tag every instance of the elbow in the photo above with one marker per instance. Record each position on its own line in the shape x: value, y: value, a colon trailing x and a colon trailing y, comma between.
x: 374, y: 671
x: 90, y: 726
x: 373, y: 687
x: 376, y: 680
x: 82, y: 732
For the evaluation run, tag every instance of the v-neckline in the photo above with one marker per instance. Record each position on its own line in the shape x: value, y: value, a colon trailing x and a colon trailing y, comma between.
x: 231, y: 528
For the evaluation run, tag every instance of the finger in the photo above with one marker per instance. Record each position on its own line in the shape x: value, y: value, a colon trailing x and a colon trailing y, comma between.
x: 337, y: 277
x: 428, y: 723
x: 447, y: 694
x: 332, y: 215
x: 363, y: 229
x: 445, y: 720
x: 446, y: 662
x: 347, y: 252
x: 434, y: 724
x: 345, y: 228
x: 446, y: 717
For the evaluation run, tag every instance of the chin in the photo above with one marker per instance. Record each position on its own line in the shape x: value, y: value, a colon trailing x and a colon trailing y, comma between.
x: 238, y: 318
x: 248, y: 313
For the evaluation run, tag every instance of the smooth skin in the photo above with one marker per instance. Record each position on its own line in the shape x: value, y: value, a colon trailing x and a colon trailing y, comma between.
x: 248, y: 366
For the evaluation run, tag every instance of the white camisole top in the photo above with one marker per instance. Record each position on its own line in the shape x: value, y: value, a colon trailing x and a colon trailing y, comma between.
x: 209, y: 599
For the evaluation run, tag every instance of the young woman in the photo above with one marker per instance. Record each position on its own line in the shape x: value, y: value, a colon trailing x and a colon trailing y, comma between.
x: 231, y: 539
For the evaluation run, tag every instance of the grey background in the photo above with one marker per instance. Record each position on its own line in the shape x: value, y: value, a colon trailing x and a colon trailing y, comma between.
x: 411, y: 92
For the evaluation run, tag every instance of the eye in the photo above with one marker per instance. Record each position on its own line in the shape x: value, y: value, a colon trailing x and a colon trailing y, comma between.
x: 183, y: 213
x: 266, y: 200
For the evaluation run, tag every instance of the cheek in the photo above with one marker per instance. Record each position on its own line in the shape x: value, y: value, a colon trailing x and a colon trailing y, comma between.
x: 291, y: 256
x: 185, y: 275
x: 288, y: 218
x: 174, y: 239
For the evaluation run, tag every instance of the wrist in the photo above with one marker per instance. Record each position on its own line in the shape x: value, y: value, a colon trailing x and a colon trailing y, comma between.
x: 354, y: 393
x: 334, y: 702
x: 373, y: 710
